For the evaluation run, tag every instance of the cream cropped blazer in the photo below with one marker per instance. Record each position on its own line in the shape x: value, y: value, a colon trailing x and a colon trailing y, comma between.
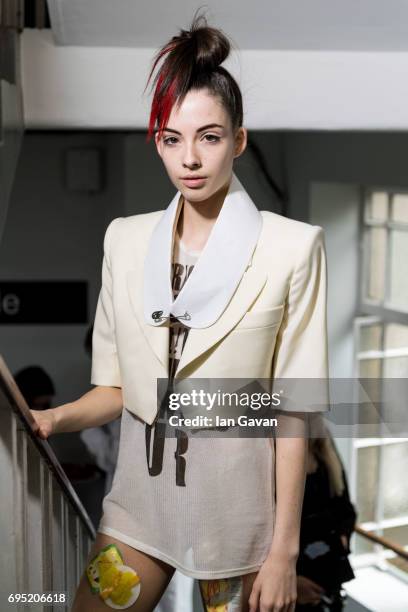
x: 255, y: 301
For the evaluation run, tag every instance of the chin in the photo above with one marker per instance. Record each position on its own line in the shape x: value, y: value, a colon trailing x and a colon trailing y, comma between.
x: 196, y: 194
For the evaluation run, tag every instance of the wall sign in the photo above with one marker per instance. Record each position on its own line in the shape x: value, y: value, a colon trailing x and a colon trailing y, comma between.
x: 43, y: 302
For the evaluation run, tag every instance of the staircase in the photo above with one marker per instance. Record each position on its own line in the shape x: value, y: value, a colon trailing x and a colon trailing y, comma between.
x: 46, y: 534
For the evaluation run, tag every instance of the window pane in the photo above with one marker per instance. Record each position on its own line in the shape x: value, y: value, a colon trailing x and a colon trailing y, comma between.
x: 397, y: 535
x: 377, y: 207
x: 399, y: 276
x: 395, y: 336
x: 370, y: 421
x: 362, y: 545
x: 395, y: 487
x: 370, y: 337
x: 367, y: 482
x: 370, y: 368
x: 396, y: 367
x: 400, y: 207
x: 376, y: 263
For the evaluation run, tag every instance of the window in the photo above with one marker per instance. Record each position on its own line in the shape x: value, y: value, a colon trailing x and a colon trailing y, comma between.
x: 380, y: 464
x: 384, y: 287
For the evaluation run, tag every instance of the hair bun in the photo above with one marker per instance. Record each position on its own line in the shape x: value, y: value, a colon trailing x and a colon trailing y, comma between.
x: 209, y: 46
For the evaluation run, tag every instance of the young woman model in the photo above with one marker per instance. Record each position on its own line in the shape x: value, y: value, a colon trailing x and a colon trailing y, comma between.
x: 208, y: 287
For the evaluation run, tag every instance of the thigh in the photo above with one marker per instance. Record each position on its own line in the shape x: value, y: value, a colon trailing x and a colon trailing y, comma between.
x: 154, y: 574
x: 227, y: 594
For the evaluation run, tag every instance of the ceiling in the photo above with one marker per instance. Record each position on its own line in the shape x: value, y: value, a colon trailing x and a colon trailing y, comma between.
x: 349, y: 25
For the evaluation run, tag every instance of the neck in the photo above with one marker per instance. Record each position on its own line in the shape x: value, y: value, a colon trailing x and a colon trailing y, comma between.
x: 196, y: 219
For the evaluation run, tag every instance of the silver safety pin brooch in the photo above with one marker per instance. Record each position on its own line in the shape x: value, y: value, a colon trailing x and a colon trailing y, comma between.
x: 157, y: 316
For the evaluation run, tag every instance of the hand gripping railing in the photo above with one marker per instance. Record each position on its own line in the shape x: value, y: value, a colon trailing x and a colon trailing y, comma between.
x: 45, y: 532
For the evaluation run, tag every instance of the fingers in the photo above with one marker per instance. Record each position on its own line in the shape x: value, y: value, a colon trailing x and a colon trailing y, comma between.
x: 35, y: 427
x: 45, y: 430
x: 316, y: 591
x: 254, y: 598
x: 39, y: 431
x: 40, y: 428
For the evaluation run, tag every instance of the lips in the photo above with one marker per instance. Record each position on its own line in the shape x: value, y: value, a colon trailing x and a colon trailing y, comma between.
x: 194, y: 182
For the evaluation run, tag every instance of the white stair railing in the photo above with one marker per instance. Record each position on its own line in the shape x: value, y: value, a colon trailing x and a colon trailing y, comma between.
x: 45, y: 532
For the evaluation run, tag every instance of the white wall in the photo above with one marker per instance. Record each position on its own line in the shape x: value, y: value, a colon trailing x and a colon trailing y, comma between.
x: 334, y: 206
x: 11, y: 117
x: 260, y: 24
x: 97, y: 87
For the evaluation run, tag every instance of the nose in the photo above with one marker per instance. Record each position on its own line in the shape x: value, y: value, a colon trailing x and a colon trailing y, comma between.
x: 191, y: 159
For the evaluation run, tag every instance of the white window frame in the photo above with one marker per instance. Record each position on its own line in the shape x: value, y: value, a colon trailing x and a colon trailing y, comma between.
x: 385, y: 309
x: 373, y: 312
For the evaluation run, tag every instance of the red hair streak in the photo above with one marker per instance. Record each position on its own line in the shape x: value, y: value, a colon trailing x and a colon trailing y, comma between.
x: 164, y: 94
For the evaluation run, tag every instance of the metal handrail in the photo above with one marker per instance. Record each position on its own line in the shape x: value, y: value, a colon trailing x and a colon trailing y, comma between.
x: 369, y: 535
x: 23, y: 413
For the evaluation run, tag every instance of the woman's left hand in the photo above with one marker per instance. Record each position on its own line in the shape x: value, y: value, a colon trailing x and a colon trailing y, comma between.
x: 275, y: 587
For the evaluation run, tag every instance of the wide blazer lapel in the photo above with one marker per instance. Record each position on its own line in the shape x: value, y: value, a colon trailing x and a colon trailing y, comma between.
x: 217, y: 293
x: 198, y: 340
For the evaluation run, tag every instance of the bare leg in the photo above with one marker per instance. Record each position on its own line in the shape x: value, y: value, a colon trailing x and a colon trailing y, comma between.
x: 227, y: 594
x: 154, y: 574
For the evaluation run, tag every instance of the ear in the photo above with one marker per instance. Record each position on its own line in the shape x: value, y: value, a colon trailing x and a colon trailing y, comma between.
x: 241, y: 137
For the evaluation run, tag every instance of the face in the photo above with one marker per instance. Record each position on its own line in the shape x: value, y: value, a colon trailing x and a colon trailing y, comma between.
x: 199, y: 141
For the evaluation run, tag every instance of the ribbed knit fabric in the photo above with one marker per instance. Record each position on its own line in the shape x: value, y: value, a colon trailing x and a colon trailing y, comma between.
x: 212, y: 517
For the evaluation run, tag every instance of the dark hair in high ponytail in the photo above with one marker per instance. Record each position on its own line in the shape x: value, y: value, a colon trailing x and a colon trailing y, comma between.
x: 192, y: 61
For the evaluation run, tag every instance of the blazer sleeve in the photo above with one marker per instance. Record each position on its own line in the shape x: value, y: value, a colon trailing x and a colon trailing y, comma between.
x: 301, y: 349
x: 105, y: 366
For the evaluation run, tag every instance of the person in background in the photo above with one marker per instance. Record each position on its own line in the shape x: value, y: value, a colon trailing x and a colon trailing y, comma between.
x: 327, y: 523
x: 36, y: 387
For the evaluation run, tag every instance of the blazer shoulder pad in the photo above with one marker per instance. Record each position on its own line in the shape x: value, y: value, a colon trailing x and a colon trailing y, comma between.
x: 143, y: 223
x: 295, y: 228
x: 293, y: 239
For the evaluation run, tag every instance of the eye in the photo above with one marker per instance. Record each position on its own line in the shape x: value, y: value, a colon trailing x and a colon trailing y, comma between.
x: 212, y: 137
x: 170, y: 140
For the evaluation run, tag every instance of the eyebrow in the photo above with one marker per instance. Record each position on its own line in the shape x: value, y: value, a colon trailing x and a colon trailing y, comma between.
x: 204, y: 127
